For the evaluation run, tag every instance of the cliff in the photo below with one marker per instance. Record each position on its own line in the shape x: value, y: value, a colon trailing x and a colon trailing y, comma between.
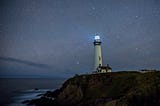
x: 107, y: 89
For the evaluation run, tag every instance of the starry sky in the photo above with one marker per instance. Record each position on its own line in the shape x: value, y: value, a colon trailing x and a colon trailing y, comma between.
x: 55, y: 37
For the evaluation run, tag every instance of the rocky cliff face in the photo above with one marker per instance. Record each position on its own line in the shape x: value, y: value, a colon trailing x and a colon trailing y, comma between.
x: 71, y: 95
x: 107, y: 89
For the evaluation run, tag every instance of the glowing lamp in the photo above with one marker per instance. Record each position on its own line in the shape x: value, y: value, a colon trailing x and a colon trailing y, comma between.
x: 97, y: 37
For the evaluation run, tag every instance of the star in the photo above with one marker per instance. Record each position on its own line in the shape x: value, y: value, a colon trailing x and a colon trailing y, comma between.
x: 77, y: 62
x: 93, y: 8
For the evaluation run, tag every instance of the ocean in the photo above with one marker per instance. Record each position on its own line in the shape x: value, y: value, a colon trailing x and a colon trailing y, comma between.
x: 13, y: 91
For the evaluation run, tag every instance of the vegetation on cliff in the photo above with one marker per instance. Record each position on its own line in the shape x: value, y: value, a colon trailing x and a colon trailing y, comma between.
x: 106, y: 89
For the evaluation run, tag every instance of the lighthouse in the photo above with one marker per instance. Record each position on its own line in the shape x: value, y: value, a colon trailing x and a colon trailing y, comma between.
x: 97, y: 52
x: 98, y: 67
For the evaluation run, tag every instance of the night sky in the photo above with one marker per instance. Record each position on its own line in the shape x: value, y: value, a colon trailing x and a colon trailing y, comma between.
x: 55, y: 37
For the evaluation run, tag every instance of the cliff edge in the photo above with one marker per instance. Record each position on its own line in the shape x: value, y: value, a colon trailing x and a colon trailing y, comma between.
x: 106, y: 89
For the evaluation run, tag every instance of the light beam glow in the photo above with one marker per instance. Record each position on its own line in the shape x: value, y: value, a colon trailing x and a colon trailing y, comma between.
x: 97, y: 37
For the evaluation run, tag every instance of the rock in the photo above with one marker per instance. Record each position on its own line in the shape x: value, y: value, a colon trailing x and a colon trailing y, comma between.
x: 26, y: 101
x: 36, y: 89
x: 52, y: 93
x: 71, y: 95
x: 111, y: 103
x: 106, y: 89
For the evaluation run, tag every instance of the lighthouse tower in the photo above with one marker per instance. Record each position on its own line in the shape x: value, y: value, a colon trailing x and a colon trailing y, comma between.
x: 97, y: 53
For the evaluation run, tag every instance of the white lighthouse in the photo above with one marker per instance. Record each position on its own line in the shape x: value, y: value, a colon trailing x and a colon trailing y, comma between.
x: 97, y: 52
x: 98, y: 67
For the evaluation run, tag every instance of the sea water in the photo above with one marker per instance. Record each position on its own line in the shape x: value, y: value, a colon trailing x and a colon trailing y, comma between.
x: 13, y: 91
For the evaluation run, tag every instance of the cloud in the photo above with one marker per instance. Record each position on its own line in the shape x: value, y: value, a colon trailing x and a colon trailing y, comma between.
x: 29, y: 63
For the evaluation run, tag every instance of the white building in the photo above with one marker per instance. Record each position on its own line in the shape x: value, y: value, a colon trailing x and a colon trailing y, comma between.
x: 98, y: 68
